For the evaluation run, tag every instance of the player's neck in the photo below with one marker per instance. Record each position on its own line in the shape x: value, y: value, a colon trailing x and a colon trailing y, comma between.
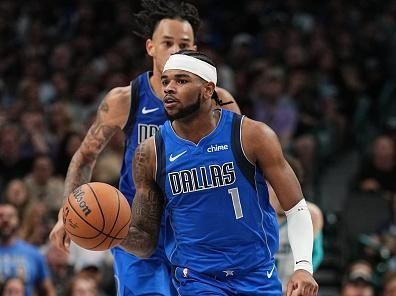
x: 195, y: 128
x: 155, y: 82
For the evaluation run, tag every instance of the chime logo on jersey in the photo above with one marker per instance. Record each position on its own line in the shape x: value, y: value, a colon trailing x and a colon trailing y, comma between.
x: 146, y: 131
x: 202, y: 178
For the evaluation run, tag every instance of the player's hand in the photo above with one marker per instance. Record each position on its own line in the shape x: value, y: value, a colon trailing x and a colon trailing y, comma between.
x: 58, y: 235
x: 302, y: 283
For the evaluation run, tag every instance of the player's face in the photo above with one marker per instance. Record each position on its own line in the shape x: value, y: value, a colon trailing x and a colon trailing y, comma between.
x: 183, y: 93
x: 169, y: 37
x: 8, y: 221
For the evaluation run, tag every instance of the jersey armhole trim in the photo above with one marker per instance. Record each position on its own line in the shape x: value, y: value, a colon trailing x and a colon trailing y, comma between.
x: 134, y: 106
x: 240, y: 139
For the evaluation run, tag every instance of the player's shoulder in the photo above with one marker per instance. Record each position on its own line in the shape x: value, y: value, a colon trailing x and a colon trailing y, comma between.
x: 222, y: 93
x: 227, y: 97
x: 259, y: 140
x: 118, y: 95
x: 115, y: 106
x: 256, y: 128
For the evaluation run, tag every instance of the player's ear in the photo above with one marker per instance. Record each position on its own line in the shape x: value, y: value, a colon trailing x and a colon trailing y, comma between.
x: 150, y: 47
x: 194, y: 47
x: 209, y: 89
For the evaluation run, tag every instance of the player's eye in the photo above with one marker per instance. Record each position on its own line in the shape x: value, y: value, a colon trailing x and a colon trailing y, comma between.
x: 183, y: 46
x: 164, y: 82
x: 167, y: 43
x: 182, y: 81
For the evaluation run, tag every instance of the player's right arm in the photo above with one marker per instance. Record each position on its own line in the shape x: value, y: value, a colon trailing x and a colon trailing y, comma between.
x: 148, y: 203
x: 262, y: 147
x: 112, y: 116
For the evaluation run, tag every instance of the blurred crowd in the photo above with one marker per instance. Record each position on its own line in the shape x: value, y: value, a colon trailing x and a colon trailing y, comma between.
x: 321, y: 74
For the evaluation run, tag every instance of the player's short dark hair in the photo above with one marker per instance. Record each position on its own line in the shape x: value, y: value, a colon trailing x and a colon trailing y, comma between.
x: 198, y: 55
x: 203, y: 57
x: 153, y: 11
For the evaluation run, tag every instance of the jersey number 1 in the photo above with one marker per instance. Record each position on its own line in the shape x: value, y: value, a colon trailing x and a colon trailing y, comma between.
x: 236, y: 202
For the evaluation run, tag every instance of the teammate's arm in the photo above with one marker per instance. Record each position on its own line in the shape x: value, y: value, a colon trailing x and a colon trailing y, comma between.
x: 147, y: 206
x: 225, y: 96
x: 111, y: 116
x: 262, y: 147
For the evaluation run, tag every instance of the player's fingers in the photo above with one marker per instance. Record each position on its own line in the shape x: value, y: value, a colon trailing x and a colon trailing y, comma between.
x: 66, y: 240
x: 289, y: 289
x: 310, y: 290
x: 315, y: 290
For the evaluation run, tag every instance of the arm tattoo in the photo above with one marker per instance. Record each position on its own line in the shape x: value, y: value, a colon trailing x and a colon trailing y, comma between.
x: 83, y: 161
x: 147, y: 207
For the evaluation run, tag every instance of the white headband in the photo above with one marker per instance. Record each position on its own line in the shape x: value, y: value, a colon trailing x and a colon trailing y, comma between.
x: 188, y: 63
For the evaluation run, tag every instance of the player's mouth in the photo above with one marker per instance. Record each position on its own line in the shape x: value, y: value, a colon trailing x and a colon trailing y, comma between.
x: 170, y: 101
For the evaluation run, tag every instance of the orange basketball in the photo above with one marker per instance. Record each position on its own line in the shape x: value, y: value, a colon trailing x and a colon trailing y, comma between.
x: 96, y: 216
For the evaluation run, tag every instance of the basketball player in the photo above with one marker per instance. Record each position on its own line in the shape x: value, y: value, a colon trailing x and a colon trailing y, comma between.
x: 137, y: 110
x: 284, y: 256
x: 204, y: 171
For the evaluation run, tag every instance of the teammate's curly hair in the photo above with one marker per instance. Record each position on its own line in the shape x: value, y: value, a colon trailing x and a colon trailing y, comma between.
x: 153, y: 11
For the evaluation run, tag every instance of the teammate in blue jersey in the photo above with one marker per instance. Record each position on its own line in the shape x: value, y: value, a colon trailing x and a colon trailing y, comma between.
x: 204, y: 171
x: 137, y: 110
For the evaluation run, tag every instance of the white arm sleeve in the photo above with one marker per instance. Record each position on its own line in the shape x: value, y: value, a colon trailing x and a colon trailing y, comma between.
x: 300, y: 232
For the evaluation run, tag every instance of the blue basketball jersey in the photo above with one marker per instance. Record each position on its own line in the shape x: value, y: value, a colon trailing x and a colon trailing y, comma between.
x: 216, y: 201
x: 134, y: 276
x: 146, y: 115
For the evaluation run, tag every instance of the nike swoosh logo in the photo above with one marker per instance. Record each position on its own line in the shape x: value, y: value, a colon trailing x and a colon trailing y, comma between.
x: 147, y: 111
x: 269, y: 274
x: 173, y: 158
x: 297, y: 262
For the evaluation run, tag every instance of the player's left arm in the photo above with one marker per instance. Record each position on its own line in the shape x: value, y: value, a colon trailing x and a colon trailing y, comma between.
x: 262, y: 147
x: 148, y: 203
x: 226, y: 97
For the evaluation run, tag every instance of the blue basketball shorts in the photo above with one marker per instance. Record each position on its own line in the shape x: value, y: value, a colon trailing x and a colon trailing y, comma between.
x: 138, y: 277
x: 262, y: 281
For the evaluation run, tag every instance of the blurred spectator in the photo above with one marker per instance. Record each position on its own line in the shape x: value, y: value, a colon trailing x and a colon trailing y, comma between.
x: 13, y: 286
x: 37, y: 223
x: 61, y: 270
x: 358, y: 280
x: 27, y: 99
x: 378, y: 171
x: 35, y: 137
x: 20, y: 259
x: 107, y: 168
x: 272, y: 106
x: 60, y: 120
x: 43, y: 185
x: 390, y: 284
x: 13, y: 164
x: 96, y: 264
x: 16, y: 193
x: 67, y: 147
x: 83, y: 285
x: 357, y: 289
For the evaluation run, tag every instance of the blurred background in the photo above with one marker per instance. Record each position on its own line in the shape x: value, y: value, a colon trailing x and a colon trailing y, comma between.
x: 320, y: 73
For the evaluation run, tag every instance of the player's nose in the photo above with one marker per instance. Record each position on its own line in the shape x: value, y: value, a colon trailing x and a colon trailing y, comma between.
x: 175, y: 48
x: 170, y: 87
